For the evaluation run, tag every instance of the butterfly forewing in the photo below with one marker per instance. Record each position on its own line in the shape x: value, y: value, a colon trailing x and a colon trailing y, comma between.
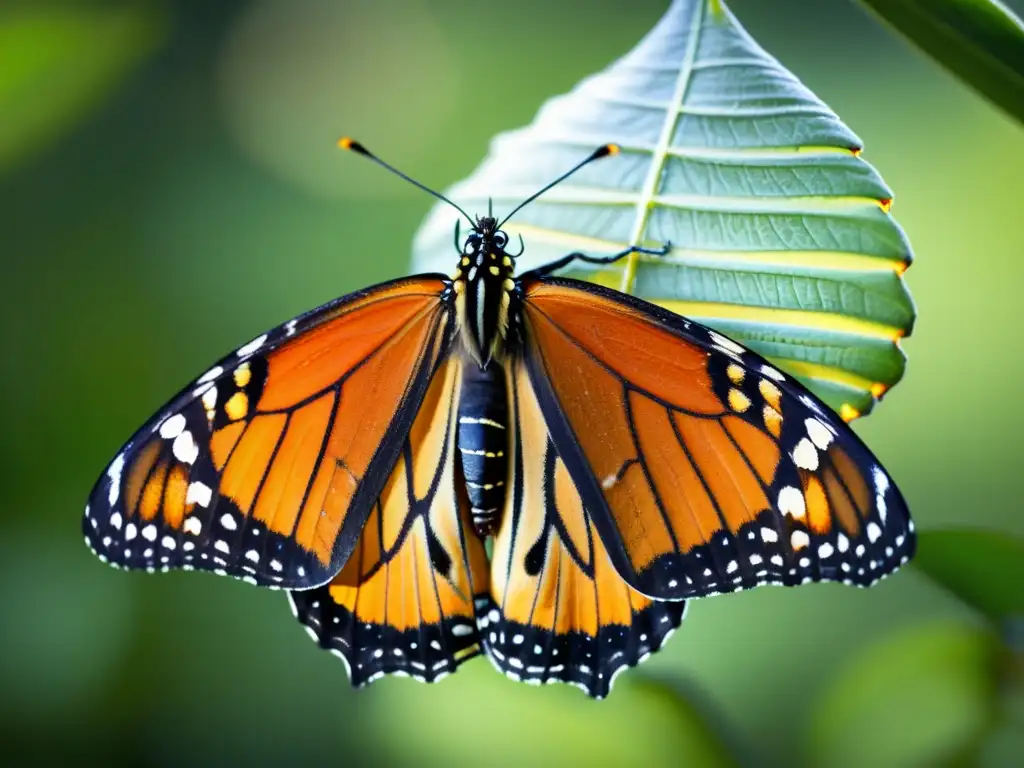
x: 703, y: 468
x: 404, y: 602
x: 254, y: 468
x: 558, y: 610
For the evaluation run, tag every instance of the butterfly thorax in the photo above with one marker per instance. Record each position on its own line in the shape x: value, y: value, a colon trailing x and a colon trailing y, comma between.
x: 484, y: 289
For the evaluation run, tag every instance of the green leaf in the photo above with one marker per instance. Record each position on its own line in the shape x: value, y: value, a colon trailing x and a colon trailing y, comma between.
x: 695, y: 716
x: 781, y: 233
x: 640, y: 723
x: 985, y: 569
x: 59, y: 61
x: 979, y: 41
x: 920, y: 697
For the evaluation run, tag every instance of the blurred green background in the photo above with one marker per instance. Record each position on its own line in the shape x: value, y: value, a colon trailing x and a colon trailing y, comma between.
x: 169, y: 187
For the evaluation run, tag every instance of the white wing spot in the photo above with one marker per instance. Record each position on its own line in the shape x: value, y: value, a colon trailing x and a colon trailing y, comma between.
x: 130, y: 531
x: 727, y: 345
x: 114, y: 473
x: 193, y: 525
x: 874, y: 532
x: 755, y: 559
x: 253, y: 555
x: 771, y: 373
x: 805, y: 455
x: 733, y: 565
x: 799, y: 540
x: 115, y: 520
x: 198, y: 493
x: 222, y: 546
x: 791, y: 502
x: 168, y: 542
x: 770, y: 535
x: 825, y: 550
x: 461, y: 630
x: 276, y: 565
x: 149, y: 532
x: 842, y: 542
x: 252, y: 346
x: 185, y: 449
x: 172, y: 427
x: 819, y: 433
x: 228, y: 521
x: 210, y: 375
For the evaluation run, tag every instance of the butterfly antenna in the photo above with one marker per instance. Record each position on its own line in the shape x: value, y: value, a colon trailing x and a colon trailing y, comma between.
x: 354, y: 146
x: 597, y: 154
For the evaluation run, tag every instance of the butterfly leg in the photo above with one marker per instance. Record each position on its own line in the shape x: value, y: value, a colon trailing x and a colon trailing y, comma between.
x: 566, y: 260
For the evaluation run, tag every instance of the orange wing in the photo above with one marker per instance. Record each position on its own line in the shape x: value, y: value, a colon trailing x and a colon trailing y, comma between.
x: 703, y: 468
x: 404, y: 602
x: 268, y: 465
x: 559, y: 612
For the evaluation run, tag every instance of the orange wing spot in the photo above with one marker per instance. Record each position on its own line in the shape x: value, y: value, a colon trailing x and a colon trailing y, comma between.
x: 761, y: 450
x: 427, y: 434
x: 369, y: 400
x: 841, y: 505
x: 855, y: 482
x: 222, y: 442
x: 319, y: 358
x: 153, y: 493
x: 652, y: 358
x: 772, y: 420
x: 237, y: 406
x: 139, y: 472
x: 819, y: 518
x: 739, y: 495
x: 242, y: 477
x: 687, y: 504
x: 570, y: 508
x: 771, y: 394
x: 285, y: 486
x: 738, y: 401
x: 174, y: 496
x: 637, y: 517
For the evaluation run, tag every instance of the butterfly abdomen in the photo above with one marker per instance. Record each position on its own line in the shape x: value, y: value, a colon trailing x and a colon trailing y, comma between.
x: 482, y: 441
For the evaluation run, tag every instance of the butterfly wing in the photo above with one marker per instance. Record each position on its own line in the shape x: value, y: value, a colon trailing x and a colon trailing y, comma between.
x: 558, y: 610
x: 704, y: 469
x: 404, y: 602
x: 267, y: 466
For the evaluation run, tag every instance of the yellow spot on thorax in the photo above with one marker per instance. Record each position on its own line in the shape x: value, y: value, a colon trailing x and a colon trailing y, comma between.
x: 494, y: 270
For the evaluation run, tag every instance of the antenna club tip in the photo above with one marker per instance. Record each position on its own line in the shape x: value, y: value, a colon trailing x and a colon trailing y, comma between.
x: 346, y: 142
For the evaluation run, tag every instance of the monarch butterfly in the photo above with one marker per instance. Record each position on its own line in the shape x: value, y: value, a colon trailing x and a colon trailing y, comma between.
x: 620, y: 459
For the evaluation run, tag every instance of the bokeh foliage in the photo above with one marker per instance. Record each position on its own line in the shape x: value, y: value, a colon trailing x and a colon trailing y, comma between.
x: 187, y: 204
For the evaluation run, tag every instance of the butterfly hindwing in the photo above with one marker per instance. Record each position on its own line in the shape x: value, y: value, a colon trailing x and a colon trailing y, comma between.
x: 404, y: 602
x: 558, y: 610
x: 704, y: 468
x: 252, y: 470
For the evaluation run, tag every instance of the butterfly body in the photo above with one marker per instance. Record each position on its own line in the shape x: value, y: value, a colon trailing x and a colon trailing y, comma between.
x: 621, y: 460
